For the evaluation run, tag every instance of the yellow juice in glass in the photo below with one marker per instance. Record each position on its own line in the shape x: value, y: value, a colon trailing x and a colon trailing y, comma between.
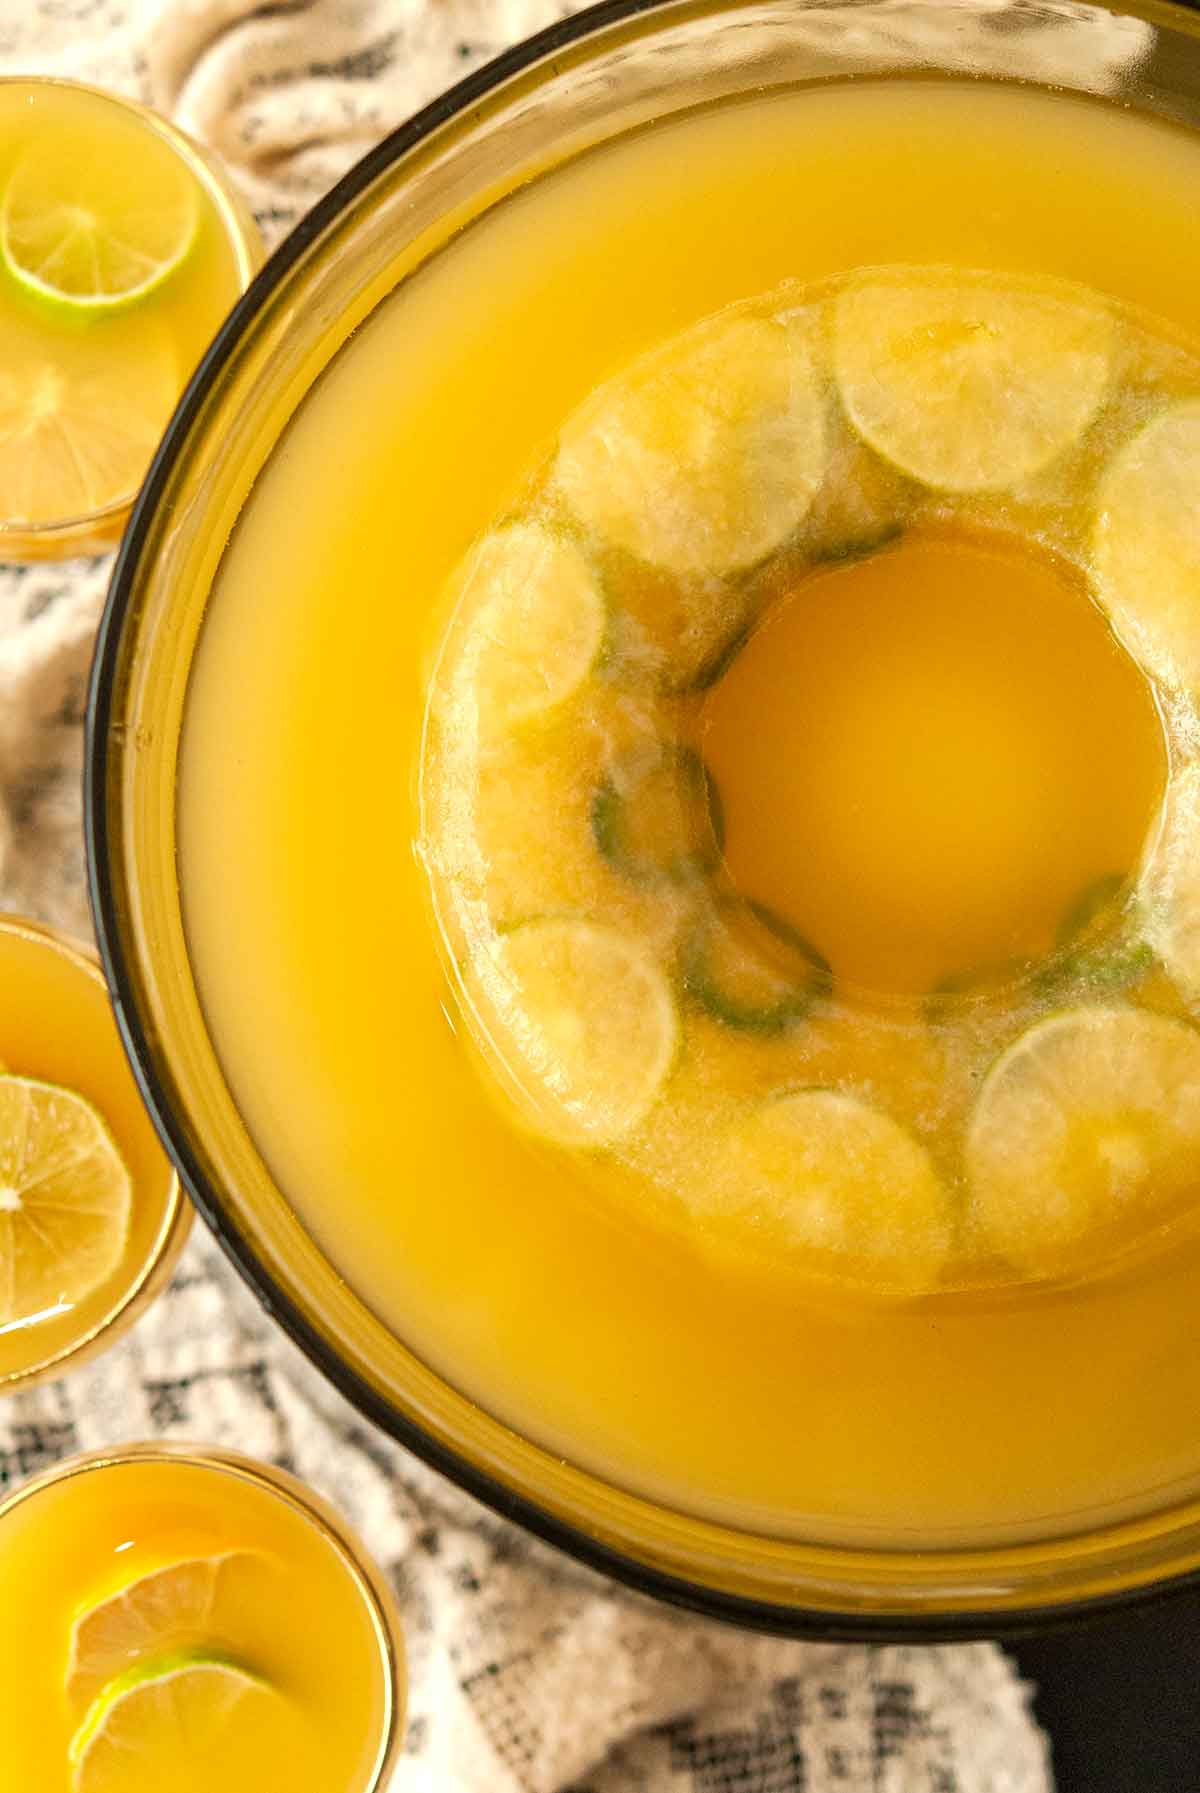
x: 155, y: 1636
x: 121, y: 250
x: 815, y: 814
x: 90, y: 1227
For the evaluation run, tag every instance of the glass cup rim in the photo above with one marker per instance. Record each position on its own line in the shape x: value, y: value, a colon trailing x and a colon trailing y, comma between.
x: 173, y: 1231
x: 60, y: 534
x: 844, y: 1623
x: 312, y: 1507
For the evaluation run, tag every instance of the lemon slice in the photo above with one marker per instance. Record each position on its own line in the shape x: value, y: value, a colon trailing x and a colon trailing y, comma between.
x: 162, y: 1723
x: 77, y: 433
x: 93, y: 235
x: 1147, y: 544
x: 1090, y: 1121
x: 969, y: 383
x: 165, y: 1609
x: 532, y: 626
x: 65, y: 1199
x: 705, y: 455
x: 1169, y: 895
x: 825, y: 1176
x: 587, y: 1027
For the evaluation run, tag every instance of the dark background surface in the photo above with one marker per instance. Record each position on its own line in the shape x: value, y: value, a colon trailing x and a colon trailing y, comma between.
x: 1121, y: 1700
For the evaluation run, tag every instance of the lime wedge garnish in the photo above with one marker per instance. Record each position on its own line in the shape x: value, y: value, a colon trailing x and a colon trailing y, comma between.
x: 165, y: 1715
x: 164, y: 1609
x: 532, y: 626
x: 969, y: 383
x: 65, y: 1199
x: 77, y: 433
x: 824, y: 1179
x: 705, y: 455
x: 587, y: 1027
x: 95, y: 234
x: 1089, y: 1122
x: 1147, y: 544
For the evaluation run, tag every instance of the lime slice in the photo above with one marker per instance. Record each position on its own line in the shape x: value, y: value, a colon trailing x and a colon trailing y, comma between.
x: 969, y: 383
x: 165, y: 1717
x: 750, y: 970
x: 532, y: 626
x: 824, y: 1175
x: 96, y: 234
x: 1147, y: 544
x: 1169, y: 895
x: 670, y: 634
x: 77, y: 434
x: 1088, y: 1122
x: 656, y: 815
x: 705, y: 455
x: 587, y: 1027
x: 168, y: 1608
x: 65, y: 1199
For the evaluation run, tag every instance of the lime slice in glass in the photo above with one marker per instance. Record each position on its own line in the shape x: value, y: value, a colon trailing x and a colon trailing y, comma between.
x: 94, y: 235
x: 65, y: 1199
x: 1147, y: 544
x: 1087, y: 1123
x: 823, y: 1179
x: 77, y: 432
x: 587, y: 1027
x: 531, y: 629
x: 706, y: 455
x: 969, y: 383
x: 167, y: 1608
x: 162, y: 1723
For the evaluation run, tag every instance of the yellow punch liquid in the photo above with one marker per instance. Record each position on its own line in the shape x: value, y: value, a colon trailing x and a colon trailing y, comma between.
x: 798, y: 835
x: 948, y: 730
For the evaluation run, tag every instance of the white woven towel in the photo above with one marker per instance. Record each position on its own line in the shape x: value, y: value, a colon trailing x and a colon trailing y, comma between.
x: 529, y: 1675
